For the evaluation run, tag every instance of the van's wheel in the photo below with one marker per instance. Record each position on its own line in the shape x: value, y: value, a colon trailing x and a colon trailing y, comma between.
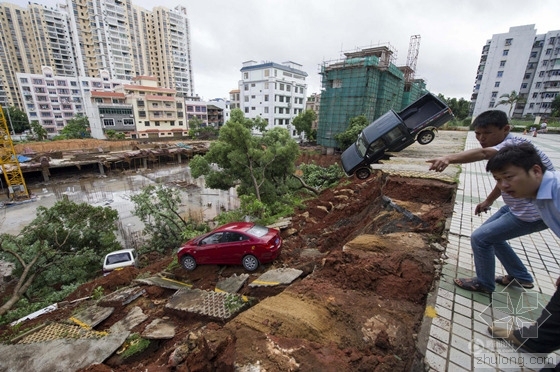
x: 425, y: 137
x: 363, y: 173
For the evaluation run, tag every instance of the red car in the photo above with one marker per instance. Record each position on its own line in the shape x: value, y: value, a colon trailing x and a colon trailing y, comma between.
x: 235, y: 243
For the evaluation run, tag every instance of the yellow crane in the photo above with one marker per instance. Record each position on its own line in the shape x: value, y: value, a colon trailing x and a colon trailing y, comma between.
x: 17, y: 190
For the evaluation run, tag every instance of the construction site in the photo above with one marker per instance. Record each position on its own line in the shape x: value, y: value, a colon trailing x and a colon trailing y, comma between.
x: 39, y: 162
x: 365, y: 82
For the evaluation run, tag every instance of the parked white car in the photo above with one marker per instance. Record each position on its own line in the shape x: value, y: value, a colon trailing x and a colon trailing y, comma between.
x: 119, y: 259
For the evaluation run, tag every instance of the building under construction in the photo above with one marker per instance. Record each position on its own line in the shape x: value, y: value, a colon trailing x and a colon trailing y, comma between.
x: 366, y: 82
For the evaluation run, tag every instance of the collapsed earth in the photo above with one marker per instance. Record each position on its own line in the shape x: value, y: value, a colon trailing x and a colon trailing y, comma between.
x: 369, y: 256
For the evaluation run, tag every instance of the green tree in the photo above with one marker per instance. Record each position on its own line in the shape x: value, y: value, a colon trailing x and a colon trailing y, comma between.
x: 304, y: 121
x: 39, y: 132
x: 512, y: 100
x: 460, y: 107
x: 158, y: 208
x: 18, y: 120
x: 78, y: 127
x: 259, y: 165
x: 555, y: 105
x: 350, y: 135
x: 112, y: 134
x: 63, y: 245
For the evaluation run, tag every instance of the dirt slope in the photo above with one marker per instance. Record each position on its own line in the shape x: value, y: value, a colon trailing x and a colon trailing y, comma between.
x: 368, y: 268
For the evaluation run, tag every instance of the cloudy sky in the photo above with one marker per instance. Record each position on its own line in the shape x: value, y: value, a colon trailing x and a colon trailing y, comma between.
x: 225, y: 33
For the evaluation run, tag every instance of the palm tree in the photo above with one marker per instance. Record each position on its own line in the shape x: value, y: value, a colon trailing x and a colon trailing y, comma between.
x: 512, y: 100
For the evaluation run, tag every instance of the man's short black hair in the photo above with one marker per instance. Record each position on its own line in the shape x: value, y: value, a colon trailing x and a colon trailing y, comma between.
x: 523, y: 155
x: 488, y: 118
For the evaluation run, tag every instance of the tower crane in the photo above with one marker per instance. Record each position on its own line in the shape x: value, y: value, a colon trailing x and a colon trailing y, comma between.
x: 9, y: 164
x: 412, y: 58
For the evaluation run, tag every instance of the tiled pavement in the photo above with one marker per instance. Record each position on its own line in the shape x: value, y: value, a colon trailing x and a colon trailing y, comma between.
x: 458, y: 338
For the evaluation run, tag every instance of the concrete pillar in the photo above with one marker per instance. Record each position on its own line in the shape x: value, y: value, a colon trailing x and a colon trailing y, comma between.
x: 101, y: 169
x: 46, y: 174
x: 179, y: 158
x: 145, y: 162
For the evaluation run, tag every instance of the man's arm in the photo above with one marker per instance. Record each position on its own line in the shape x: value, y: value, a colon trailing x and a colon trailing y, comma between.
x: 469, y: 156
x: 491, y: 198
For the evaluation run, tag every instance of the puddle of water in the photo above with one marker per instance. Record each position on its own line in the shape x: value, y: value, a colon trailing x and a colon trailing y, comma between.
x: 198, y: 201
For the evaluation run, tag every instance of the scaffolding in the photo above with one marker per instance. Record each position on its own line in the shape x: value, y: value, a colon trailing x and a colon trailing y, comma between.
x: 366, y: 82
x: 9, y: 164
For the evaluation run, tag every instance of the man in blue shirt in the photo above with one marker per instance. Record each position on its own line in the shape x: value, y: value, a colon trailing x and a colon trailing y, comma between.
x: 519, y: 171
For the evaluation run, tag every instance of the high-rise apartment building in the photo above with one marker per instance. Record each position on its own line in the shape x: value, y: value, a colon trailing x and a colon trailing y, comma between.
x: 32, y: 37
x: 275, y: 92
x: 518, y: 61
x: 84, y: 37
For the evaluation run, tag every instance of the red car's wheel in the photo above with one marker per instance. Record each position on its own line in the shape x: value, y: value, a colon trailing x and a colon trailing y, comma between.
x: 250, y: 262
x: 188, y: 262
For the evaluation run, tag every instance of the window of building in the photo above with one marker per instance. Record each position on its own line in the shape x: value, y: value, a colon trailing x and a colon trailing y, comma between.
x: 552, y: 40
x: 266, y: 73
x: 266, y: 110
x: 527, y: 76
x: 246, y: 87
x: 505, y: 52
x: 281, y: 87
x: 491, y: 104
x: 497, y: 84
x: 246, y: 98
x: 545, y: 63
x: 535, y: 95
x: 541, y: 74
x: 524, y: 86
x: 246, y: 110
x: 245, y: 76
x: 500, y: 74
x: 288, y: 88
x: 23, y: 80
x: 108, y: 122
x: 266, y: 97
x: 549, y: 51
x: 494, y: 94
x: 538, y: 85
x: 531, y: 66
x: 531, y: 105
x: 502, y: 63
x: 508, y: 42
x: 265, y: 85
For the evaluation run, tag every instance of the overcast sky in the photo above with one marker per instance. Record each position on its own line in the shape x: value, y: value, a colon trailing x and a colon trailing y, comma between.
x: 225, y: 33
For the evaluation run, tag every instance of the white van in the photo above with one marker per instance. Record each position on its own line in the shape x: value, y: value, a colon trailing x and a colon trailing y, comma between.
x: 119, y: 259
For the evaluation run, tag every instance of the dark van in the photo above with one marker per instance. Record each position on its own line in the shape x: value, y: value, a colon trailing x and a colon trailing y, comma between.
x: 395, y: 131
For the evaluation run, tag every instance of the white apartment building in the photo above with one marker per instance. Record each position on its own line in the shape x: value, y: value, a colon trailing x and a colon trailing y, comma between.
x: 53, y: 100
x: 275, y: 92
x: 520, y: 61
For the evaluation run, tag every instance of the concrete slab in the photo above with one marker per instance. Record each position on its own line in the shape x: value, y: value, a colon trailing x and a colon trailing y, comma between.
x: 232, y: 284
x: 159, y: 329
x: 122, y: 297
x: 219, y: 305
x: 134, y: 317
x: 163, y: 282
x: 59, y: 355
x: 276, y: 277
x: 92, y: 316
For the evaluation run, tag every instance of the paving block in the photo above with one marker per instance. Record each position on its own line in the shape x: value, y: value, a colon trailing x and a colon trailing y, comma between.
x: 163, y: 282
x: 219, y: 305
x: 134, y: 317
x: 122, y: 297
x: 92, y: 316
x: 232, y: 284
x: 276, y: 277
x: 159, y: 329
